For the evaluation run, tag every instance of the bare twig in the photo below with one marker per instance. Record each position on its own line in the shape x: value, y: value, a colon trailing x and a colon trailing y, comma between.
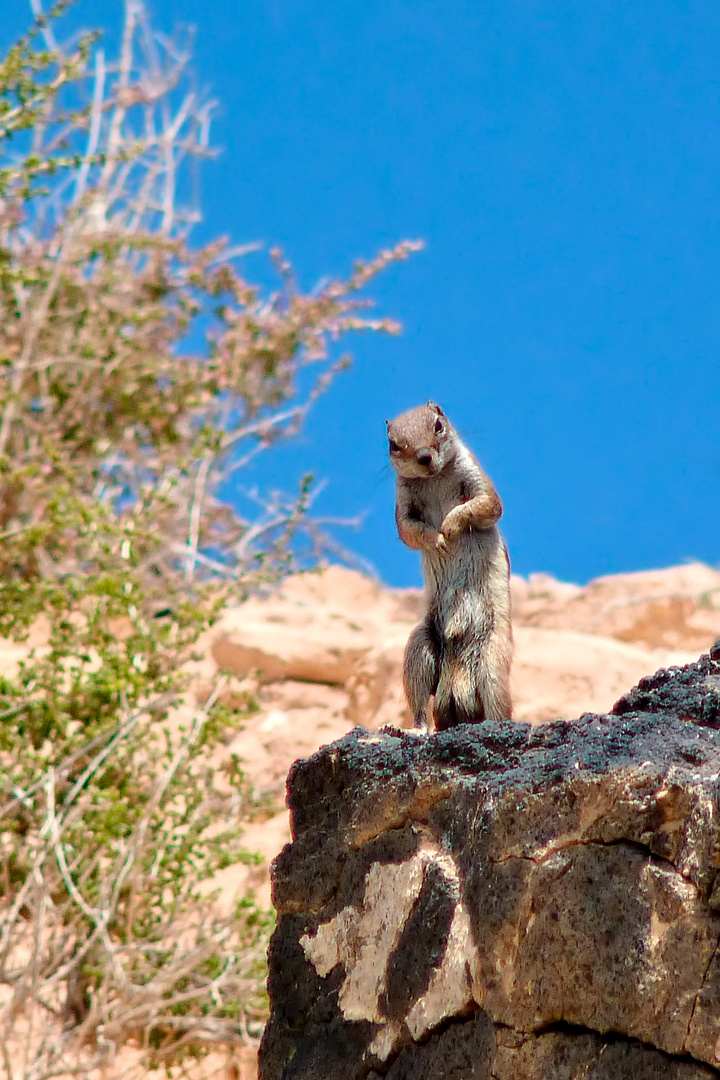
x: 196, y: 508
x: 95, y: 124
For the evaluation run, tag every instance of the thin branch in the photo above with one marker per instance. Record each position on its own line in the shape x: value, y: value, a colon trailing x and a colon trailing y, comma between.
x: 95, y: 125
x: 46, y: 28
x: 196, y: 514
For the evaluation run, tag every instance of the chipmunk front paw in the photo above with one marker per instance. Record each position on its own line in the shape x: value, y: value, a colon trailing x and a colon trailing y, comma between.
x: 452, y: 526
x: 441, y: 545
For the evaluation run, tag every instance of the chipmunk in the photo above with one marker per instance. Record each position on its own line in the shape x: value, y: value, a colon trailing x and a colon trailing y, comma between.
x: 448, y: 509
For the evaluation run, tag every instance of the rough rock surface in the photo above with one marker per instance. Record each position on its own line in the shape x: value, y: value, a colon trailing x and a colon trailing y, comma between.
x: 506, y: 902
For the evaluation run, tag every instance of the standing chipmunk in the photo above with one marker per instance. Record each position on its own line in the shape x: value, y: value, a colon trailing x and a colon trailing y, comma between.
x: 448, y: 509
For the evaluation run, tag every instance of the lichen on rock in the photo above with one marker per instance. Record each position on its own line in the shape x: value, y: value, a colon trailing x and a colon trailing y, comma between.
x: 506, y: 902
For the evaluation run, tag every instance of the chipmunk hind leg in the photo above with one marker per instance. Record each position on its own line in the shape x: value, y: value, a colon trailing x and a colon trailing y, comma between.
x: 421, y: 668
x: 494, y: 673
x: 474, y: 682
x: 457, y: 700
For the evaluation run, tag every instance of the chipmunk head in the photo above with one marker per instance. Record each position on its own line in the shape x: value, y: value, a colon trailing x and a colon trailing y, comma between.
x: 421, y: 441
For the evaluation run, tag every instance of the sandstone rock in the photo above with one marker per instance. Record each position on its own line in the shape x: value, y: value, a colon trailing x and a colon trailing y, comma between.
x: 546, y: 686
x: 506, y: 902
x: 318, y: 628
x: 375, y: 688
x: 673, y: 608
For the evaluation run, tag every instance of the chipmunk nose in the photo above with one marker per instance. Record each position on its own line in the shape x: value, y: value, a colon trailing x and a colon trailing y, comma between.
x: 424, y: 458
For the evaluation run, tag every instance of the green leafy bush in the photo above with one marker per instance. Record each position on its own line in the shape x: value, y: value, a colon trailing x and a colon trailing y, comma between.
x: 118, y: 548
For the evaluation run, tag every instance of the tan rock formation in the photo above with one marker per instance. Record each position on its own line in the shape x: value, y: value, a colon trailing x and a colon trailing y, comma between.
x: 676, y: 608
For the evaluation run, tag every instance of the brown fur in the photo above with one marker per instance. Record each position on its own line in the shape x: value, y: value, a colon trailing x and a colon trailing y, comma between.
x: 448, y: 509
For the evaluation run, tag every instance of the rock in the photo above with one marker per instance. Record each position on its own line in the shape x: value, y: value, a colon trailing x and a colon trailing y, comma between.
x: 571, y: 1056
x: 375, y: 688
x: 548, y: 684
x: 506, y: 902
x: 318, y: 628
x: 673, y: 608
x: 305, y: 652
x: 692, y: 693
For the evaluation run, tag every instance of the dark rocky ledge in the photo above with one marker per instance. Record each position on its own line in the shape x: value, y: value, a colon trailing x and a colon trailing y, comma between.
x: 501, y: 902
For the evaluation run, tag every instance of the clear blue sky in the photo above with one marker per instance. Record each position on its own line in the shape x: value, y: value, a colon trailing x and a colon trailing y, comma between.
x: 562, y: 162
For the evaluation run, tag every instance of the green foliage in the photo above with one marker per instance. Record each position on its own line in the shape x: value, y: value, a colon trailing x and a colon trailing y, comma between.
x: 118, y: 549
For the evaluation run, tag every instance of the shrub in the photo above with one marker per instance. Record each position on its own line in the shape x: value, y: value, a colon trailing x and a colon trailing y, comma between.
x: 119, y: 546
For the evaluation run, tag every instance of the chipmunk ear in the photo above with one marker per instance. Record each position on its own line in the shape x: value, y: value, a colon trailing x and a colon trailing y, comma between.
x: 434, y: 405
x: 387, y: 425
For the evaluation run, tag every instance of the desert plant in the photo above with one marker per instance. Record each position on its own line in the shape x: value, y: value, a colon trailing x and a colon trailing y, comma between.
x: 119, y: 544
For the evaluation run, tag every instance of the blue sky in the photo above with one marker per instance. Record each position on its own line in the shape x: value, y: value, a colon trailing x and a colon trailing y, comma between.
x: 562, y: 163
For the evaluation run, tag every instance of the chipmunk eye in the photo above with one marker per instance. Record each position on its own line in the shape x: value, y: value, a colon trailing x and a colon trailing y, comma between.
x: 439, y: 426
x: 394, y: 447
